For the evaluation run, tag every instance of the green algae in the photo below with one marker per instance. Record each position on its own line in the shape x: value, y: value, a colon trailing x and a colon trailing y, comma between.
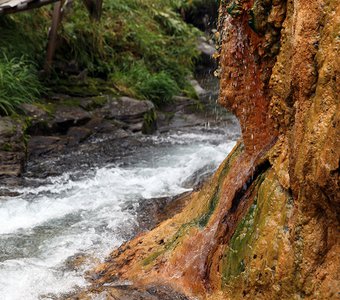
x: 269, y: 199
x: 203, y: 219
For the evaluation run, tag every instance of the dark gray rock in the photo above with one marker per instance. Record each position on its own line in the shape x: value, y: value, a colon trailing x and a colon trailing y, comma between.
x: 77, y: 135
x: 100, y: 125
x: 38, y: 119
x: 93, y: 103
x: 68, y: 116
x: 12, y: 147
x: 127, y: 109
x: 34, y: 112
x: 40, y: 145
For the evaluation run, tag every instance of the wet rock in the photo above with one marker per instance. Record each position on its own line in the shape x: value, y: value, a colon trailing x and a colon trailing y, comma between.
x: 122, y: 290
x: 77, y: 135
x: 33, y: 111
x: 205, y: 62
x: 68, y: 116
x: 57, y: 122
x: 197, y: 87
x: 100, y: 125
x: 93, y: 103
x: 126, y: 109
x: 160, y: 209
x: 136, y: 127
x: 205, y: 48
x: 38, y: 119
x: 12, y: 147
x: 79, y: 260
x: 266, y: 225
x: 179, y: 103
x: 40, y: 145
x: 137, y: 114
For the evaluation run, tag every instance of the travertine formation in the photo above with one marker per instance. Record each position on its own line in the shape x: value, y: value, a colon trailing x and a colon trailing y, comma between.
x: 267, y: 224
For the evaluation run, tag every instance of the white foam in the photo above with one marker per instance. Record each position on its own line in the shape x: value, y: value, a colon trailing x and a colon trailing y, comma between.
x: 94, y: 206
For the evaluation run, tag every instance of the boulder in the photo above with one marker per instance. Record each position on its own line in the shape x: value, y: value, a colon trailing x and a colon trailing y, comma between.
x: 68, y: 116
x: 33, y: 111
x: 139, y: 115
x: 206, y: 61
x: 127, y: 109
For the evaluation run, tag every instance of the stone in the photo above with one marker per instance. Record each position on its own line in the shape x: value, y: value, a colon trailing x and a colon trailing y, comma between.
x: 205, y: 48
x: 197, y: 87
x: 39, y: 118
x: 68, y: 116
x: 12, y: 147
x: 34, y: 112
x: 206, y: 62
x: 40, y: 145
x: 127, y: 109
x: 138, y: 115
x: 77, y: 135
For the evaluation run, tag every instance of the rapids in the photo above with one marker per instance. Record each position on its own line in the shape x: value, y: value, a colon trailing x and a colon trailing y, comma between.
x: 50, y: 224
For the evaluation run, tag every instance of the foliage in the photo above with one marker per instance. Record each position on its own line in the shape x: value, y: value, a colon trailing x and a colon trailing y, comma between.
x: 19, y: 83
x: 142, y: 48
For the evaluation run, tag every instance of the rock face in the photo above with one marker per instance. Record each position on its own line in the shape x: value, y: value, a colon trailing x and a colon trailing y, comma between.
x: 266, y: 226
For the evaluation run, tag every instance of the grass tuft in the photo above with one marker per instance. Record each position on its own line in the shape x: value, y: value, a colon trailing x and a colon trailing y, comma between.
x: 19, y: 83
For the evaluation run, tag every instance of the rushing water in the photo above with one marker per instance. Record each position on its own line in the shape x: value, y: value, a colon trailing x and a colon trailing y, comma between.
x: 60, y: 218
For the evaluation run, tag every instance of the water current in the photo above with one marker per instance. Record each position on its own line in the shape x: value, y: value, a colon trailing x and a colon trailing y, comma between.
x: 48, y: 225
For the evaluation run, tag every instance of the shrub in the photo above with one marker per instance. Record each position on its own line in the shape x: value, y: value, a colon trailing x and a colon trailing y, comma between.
x: 159, y: 88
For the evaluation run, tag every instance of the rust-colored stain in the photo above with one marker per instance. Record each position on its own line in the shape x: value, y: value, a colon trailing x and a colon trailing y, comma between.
x: 267, y: 224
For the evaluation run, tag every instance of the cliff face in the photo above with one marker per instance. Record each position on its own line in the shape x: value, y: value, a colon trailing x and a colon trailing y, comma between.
x: 266, y: 226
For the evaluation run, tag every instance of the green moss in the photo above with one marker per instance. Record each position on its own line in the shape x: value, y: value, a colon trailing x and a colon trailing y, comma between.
x: 235, y: 8
x: 202, y: 220
x: 171, y: 244
x: 268, y: 198
x: 233, y: 260
x: 6, y: 147
x: 149, y: 124
x: 49, y: 107
x: 151, y: 258
x: 259, y: 15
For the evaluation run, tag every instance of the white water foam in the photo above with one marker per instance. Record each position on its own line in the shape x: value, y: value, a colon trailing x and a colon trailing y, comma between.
x: 44, y: 226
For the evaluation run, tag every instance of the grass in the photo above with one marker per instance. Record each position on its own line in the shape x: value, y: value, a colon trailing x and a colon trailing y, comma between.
x: 140, y: 48
x: 19, y: 83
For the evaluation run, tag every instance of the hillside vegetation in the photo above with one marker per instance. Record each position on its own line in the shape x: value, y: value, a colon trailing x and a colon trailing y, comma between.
x: 139, y: 48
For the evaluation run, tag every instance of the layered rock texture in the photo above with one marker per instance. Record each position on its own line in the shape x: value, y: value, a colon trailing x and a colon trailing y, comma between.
x: 266, y: 226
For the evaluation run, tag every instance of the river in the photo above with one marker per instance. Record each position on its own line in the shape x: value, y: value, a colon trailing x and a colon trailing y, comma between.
x: 51, y: 222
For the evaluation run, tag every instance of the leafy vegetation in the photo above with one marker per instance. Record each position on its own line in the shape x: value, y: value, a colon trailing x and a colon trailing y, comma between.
x: 140, y: 48
x: 19, y: 83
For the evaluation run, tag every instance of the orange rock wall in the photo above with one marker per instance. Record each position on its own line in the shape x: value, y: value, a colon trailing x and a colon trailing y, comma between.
x: 267, y: 224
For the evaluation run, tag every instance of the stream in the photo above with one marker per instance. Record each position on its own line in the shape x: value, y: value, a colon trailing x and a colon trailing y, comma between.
x: 55, y: 227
